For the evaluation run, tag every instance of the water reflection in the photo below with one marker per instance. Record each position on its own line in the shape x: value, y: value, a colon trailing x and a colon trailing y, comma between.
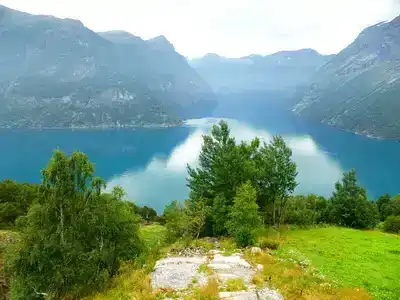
x: 164, y: 179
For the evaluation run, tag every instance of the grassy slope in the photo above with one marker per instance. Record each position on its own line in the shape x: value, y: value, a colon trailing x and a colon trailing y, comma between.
x: 350, y: 257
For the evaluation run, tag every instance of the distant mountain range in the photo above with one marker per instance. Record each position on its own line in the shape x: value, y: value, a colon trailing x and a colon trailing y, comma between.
x: 58, y: 73
x: 359, y: 89
x: 279, y: 72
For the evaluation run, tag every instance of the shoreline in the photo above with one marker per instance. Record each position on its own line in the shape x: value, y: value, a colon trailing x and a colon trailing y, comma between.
x: 147, y: 126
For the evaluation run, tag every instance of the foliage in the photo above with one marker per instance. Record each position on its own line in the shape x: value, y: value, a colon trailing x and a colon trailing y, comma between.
x: 349, y: 205
x: 177, y: 220
x: 148, y: 214
x: 382, y: 205
x: 352, y: 258
x: 268, y: 243
x: 73, y: 237
x: 305, y: 210
x: 388, y: 206
x: 244, y: 216
x: 392, y: 224
x: 281, y: 173
x: 15, y: 200
x: 185, y: 219
x: 225, y: 165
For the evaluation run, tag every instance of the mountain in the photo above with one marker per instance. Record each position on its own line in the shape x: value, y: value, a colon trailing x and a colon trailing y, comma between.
x: 359, y: 89
x: 58, y: 73
x: 279, y: 72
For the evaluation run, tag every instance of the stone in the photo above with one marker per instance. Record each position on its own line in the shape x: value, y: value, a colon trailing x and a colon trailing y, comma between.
x: 255, y: 251
x: 176, y: 272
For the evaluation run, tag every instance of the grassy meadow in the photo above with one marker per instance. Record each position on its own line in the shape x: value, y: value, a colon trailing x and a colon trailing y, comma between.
x: 349, y: 257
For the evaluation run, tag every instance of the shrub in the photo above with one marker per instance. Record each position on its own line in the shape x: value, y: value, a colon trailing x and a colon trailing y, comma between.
x: 392, y: 224
x: 267, y: 243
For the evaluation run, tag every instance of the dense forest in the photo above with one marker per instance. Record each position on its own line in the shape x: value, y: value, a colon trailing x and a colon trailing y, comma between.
x: 73, y: 237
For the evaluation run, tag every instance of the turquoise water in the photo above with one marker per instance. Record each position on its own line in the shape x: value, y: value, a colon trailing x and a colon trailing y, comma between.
x: 150, y: 164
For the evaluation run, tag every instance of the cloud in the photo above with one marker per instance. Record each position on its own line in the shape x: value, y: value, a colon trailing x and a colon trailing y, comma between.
x: 228, y: 27
x: 164, y: 180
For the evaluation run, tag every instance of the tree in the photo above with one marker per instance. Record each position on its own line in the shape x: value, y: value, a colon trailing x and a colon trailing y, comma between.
x: 244, y: 217
x: 223, y: 167
x: 383, y: 205
x: 392, y: 224
x: 198, y: 212
x: 177, y: 220
x: 304, y: 210
x: 349, y: 205
x: 279, y: 178
x: 73, y: 235
x: 15, y: 200
x: 147, y: 213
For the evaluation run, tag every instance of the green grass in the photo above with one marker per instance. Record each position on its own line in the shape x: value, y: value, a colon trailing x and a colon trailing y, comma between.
x: 153, y: 236
x: 352, y: 258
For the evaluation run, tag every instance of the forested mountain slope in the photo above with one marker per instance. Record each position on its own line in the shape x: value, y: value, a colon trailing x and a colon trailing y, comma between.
x: 58, y: 73
x: 359, y: 89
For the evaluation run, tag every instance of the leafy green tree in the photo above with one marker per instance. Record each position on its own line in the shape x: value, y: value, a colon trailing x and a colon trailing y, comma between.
x: 349, y: 205
x: 148, y: 214
x: 383, y: 205
x: 392, y: 224
x: 15, y: 200
x: 223, y: 167
x: 177, y: 220
x: 389, y: 207
x: 279, y: 176
x: 244, y: 216
x: 73, y: 236
x: 198, y: 212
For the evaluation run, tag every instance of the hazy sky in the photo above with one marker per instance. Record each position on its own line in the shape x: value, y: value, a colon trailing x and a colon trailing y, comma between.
x: 228, y: 27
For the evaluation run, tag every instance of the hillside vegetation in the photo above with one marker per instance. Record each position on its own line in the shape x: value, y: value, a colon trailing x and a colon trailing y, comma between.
x: 358, y: 89
x: 58, y: 73
x: 74, y: 241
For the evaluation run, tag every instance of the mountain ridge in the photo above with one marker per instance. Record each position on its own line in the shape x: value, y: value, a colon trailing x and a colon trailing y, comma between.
x: 280, y: 71
x: 58, y: 73
x: 358, y: 90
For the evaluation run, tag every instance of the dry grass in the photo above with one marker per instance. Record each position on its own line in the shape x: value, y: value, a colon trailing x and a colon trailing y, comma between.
x: 209, y: 291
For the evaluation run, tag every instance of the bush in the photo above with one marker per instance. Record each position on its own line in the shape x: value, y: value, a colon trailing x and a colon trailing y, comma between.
x: 392, y: 224
x: 267, y: 243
